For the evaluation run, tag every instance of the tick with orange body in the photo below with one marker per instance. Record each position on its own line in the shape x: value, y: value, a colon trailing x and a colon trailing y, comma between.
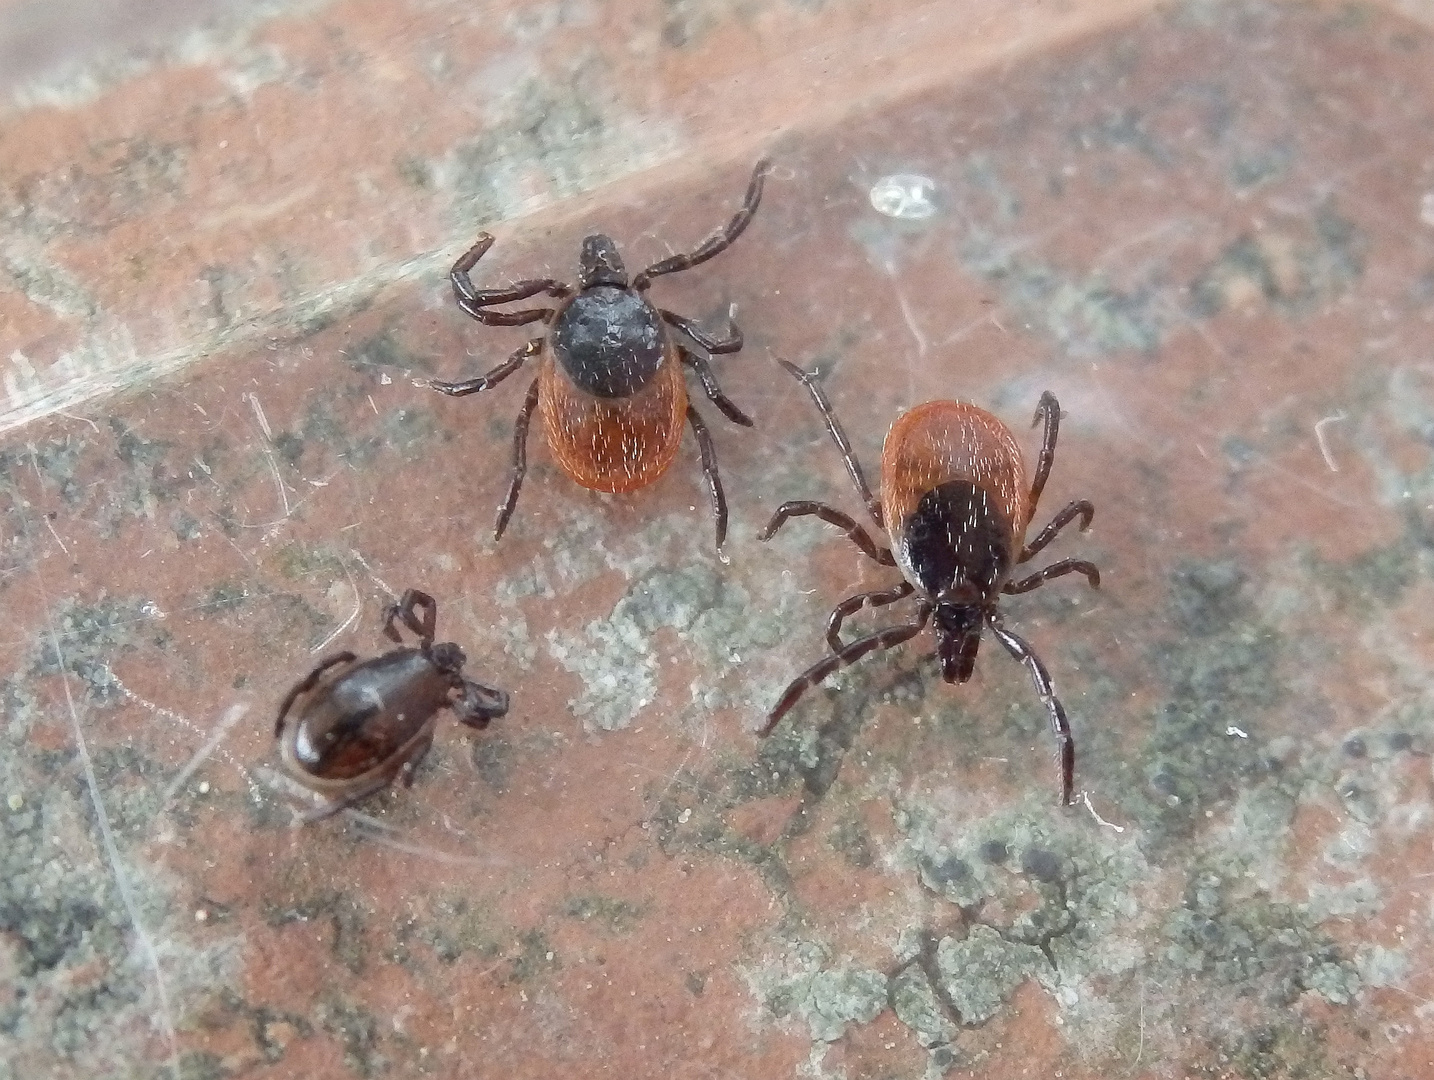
x: 610, y: 382
x: 955, y: 505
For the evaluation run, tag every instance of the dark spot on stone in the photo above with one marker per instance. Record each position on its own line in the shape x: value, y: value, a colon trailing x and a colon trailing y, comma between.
x: 947, y: 870
x: 1354, y: 747
x: 1400, y: 741
x: 1163, y: 782
x: 696, y: 983
x: 994, y: 851
x: 1041, y: 864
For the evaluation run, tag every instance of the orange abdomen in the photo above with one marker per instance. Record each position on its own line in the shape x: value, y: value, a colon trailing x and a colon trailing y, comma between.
x: 613, y: 444
x: 943, y: 441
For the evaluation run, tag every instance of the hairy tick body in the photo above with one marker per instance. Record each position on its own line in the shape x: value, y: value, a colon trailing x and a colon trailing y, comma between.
x: 610, y: 384
x: 956, y: 507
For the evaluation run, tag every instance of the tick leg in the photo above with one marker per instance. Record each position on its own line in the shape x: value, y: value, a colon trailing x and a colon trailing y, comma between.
x: 848, y: 457
x: 478, y: 704
x: 307, y: 683
x: 494, y: 377
x: 709, y: 471
x: 1060, y: 726
x: 1081, y: 508
x: 473, y: 301
x: 1055, y: 570
x: 343, y: 802
x: 714, y: 345
x: 520, y: 459
x: 852, y: 604
x: 1050, y: 410
x: 715, y: 243
x: 406, y: 612
x: 882, y: 639
x: 832, y: 516
x: 709, y: 384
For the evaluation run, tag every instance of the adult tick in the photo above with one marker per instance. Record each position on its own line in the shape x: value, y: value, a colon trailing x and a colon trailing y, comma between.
x: 955, y: 505
x: 610, y: 385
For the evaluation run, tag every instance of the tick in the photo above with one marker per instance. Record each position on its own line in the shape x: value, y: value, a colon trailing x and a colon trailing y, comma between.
x: 955, y: 505
x: 610, y: 384
x: 357, y: 725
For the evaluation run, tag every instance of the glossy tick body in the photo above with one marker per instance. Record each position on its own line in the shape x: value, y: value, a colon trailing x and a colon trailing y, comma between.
x: 349, y: 728
x: 955, y: 505
x: 610, y: 383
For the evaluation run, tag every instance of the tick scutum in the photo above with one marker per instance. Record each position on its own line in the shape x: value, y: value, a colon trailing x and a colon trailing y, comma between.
x: 955, y: 545
x: 609, y: 341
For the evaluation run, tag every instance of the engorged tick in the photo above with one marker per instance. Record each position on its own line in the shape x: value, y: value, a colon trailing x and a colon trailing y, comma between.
x: 358, y: 724
x: 955, y: 505
x: 610, y: 380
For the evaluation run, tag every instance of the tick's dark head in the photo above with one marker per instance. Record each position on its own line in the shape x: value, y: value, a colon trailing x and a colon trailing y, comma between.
x: 447, y: 657
x: 958, y: 636
x: 600, y: 264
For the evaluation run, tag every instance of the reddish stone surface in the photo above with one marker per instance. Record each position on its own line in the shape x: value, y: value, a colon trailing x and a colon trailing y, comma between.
x: 1202, y: 232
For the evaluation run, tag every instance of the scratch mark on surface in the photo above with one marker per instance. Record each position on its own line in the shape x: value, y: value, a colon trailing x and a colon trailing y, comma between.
x: 164, y: 1015
x: 354, y: 614
x: 1324, y: 450
x: 231, y: 716
x: 184, y: 721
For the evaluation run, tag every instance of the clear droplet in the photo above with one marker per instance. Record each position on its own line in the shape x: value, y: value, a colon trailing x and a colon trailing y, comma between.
x: 905, y: 195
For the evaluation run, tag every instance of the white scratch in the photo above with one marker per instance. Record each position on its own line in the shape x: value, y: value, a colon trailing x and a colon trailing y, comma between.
x: 50, y: 525
x: 1233, y: 730
x: 231, y: 716
x: 354, y: 614
x: 1085, y: 798
x: 259, y: 415
x: 1319, y: 427
x: 165, y: 1016
x: 184, y: 721
x: 377, y: 580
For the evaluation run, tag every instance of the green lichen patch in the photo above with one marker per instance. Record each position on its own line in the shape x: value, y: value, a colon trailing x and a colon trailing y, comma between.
x: 1266, y: 949
x: 612, y: 913
x: 88, y: 638
x: 829, y: 1000
x: 358, y: 1032
x: 981, y: 971
x: 1293, y: 269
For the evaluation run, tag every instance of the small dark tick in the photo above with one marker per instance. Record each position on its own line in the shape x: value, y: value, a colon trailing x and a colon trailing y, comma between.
x: 357, y: 725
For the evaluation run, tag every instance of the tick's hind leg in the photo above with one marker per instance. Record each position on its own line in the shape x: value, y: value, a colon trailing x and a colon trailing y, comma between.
x: 1081, y: 508
x: 494, y: 377
x: 520, y: 459
x: 1055, y: 570
x: 882, y: 639
x: 406, y: 611
x: 852, y: 604
x: 709, y: 471
x: 478, y: 704
x: 832, y: 516
x: 1060, y: 726
x: 1050, y: 410
x: 714, y: 345
x: 348, y: 799
x: 848, y: 456
x: 715, y: 243
x: 704, y: 374
x: 474, y: 301
x: 307, y: 683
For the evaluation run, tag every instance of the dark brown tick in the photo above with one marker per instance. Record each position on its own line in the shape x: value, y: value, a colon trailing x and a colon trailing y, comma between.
x: 358, y: 725
x: 955, y: 505
x: 610, y: 380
